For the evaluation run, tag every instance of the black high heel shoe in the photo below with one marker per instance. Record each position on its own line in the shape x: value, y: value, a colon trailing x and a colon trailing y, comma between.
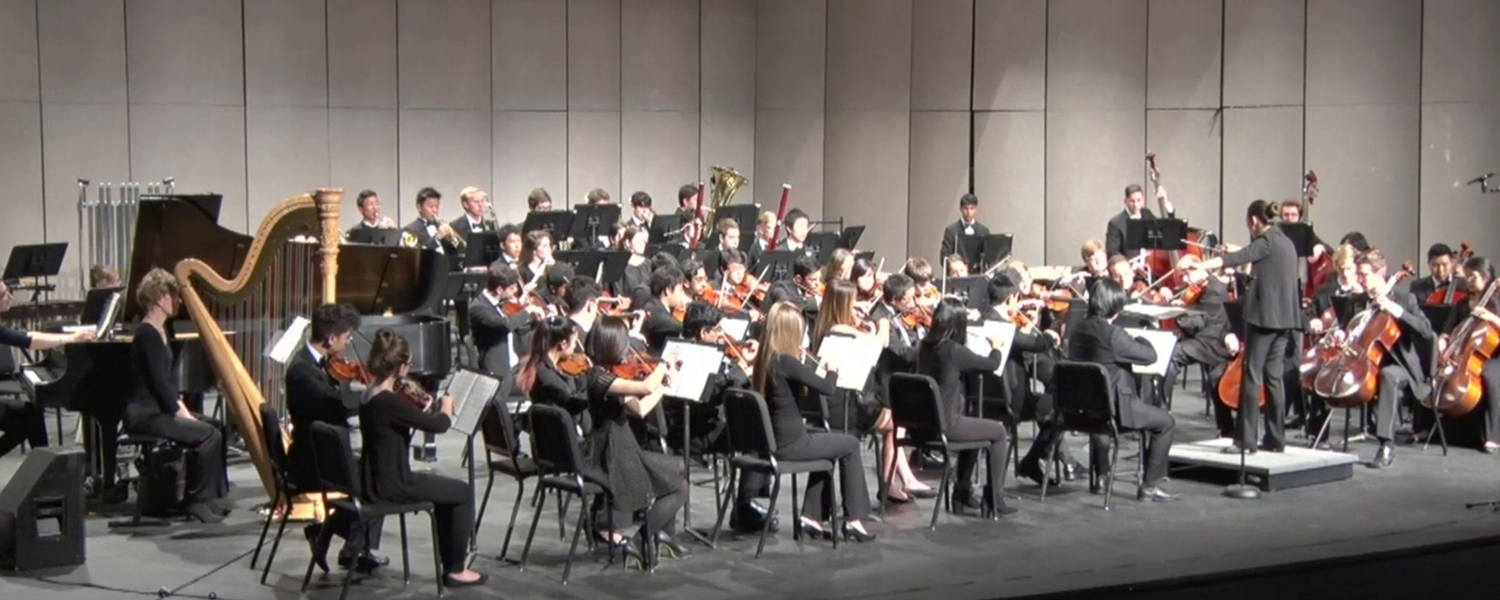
x: 851, y: 533
x: 673, y: 546
x: 311, y: 534
x: 628, y: 551
x: 815, y: 530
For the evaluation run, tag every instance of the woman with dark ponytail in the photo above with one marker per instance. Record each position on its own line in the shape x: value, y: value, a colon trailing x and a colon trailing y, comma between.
x: 386, y: 423
x: 1272, y: 316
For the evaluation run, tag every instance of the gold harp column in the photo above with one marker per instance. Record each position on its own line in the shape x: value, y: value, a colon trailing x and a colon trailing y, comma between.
x: 330, y: 202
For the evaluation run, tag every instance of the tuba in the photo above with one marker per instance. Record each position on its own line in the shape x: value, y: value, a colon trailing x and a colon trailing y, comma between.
x: 725, y: 182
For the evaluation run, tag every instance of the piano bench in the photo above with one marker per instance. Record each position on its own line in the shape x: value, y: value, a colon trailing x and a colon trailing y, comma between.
x: 146, y: 447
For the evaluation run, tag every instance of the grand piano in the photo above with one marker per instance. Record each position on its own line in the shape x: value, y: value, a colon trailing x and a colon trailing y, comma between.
x: 393, y: 287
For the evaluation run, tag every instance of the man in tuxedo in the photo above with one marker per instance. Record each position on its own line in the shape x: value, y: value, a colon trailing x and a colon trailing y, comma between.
x: 313, y: 396
x: 368, y: 204
x: 491, y: 327
x: 729, y: 234
x: 805, y: 276
x: 1098, y: 340
x: 426, y: 227
x: 668, y: 293
x: 640, y: 211
x: 966, y: 226
x: 1402, y: 369
x: 798, y: 225
x: 1440, y: 267
x: 765, y: 232
x: 1135, y: 209
x: 474, y: 201
x: 511, y: 243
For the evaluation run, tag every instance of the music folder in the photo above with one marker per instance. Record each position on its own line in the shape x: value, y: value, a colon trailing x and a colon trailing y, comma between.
x: 854, y: 357
x: 978, y: 340
x: 471, y: 391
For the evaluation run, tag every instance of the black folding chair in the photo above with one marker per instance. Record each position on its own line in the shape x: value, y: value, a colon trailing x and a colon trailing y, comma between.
x: 917, y: 406
x: 339, y: 473
x: 753, y: 443
x: 1083, y: 401
x: 558, y: 453
x: 503, y: 456
x: 285, y: 488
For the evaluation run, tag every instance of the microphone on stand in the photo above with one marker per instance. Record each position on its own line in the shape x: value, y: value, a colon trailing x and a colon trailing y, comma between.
x: 1483, y: 181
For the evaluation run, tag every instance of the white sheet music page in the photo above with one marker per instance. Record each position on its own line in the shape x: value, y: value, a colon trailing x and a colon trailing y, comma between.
x: 695, y: 362
x: 282, y: 347
x: 1163, y: 342
x: 735, y: 328
x: 471, y: 391
x: 979, y: 340
x: 854, y: 357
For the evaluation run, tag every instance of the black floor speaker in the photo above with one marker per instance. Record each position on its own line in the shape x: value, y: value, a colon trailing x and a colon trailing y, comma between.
x: 42, y: 512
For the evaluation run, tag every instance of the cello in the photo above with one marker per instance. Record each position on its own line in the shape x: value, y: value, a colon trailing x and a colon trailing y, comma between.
x: 1349, y: 380
x: 1230, y: 382
x: 1456, y: 387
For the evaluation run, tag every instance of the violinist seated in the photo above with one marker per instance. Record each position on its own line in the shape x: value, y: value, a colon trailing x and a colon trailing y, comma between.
x: 1036, y: 344
x: 806, y: 279
x: 741, y: 289
x: 1096, y: 266
x: 315, y: 394
x: 906, y: 323
x: 957, y: 266
x: 1433, y: 289
x: 21, y: 420
x: 1099, y: 340
x: 668, y: 299
x: 496, y: 315
x: 1478, y: 273
x: 920, y: 271
x: 556, y: 279
x: 1204, y: 336
x: 1401, y: 369
x: 1122, y: 272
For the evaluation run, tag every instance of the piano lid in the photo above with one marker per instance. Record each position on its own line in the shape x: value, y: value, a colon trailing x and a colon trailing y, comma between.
x: 374, y: 279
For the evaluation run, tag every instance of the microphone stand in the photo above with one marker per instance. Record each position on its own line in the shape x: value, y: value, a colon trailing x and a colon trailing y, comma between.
x: 1241, y: 490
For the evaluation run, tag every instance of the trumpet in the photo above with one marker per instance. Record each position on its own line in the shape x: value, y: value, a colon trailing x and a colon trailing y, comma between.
x: 444, y: 232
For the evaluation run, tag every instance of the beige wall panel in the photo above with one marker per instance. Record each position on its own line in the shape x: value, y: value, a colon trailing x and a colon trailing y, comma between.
x: 1090, y: 64
x: 869, y: 54
x: 89, y: 141
x: 213, y: 162
x: 1368, y: 162
x: 659, y: 58
x: 941, y: 54
x: 1010, y: 54
x: 1091, y: 157
x: 939, y: 175
x: 186, y: 52
x: 83, y: 50
x: 287, y: 148
x: 1263, y: 159
x: 790, y: 51
x: 530, y: 55
x: 18, y: 51
x: 531, y: 150
x: 1458, y: 41
x: 443, y: 149
x: 1187, y: 144
x: 727, y: 40
x: 362, y: 156
x: 658, y: 154
x: 286, y: 54
x: 1183, y: 58
x: 1457, y: 146
x: 1010, y: 178
x: 443, y: 54
x: 594, y: 54
x: 867, y: 176
x: 728, y: 139
x: 1263, y: 47
x: 1364, y: 51
x: 789, y: 150
x: 21, y: 169
x: 362, y: 53
x: 594, y: 156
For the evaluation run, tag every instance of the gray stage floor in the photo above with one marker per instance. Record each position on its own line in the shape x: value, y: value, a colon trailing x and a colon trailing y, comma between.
x: 1068, y: 543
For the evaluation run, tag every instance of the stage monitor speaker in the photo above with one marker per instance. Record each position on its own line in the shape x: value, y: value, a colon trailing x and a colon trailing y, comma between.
x: 42, y: 512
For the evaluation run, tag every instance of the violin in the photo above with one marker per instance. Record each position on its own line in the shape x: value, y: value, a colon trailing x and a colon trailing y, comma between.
x: 412, y: 392
x: 1453, y: 292
x: 1192, y: 293
x: 638, y: 367
x: 816, y: 290
x: 575, y: 364
x: 344, y: 370
x: 1022, y: 321
x: 729, y: 302
x: 515, y: 305
x: 917, y: 316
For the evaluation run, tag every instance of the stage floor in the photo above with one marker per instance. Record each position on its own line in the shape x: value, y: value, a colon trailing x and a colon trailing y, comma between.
x: 1068, y: 543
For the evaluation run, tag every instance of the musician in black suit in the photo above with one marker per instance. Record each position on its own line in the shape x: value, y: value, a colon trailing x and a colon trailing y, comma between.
x: 798, y: 225
x: 806, y: 276
x: 641, y: 213
x: 1135, y: 209
x: 313, y: 396
x: 1441, y: 269
x: 368, y: 204
x: 538, y: 200
x: 668, y: 293
x: 1273, y: 314
x: 491, y: 327
x: 511, y: 243
x: 19, y: 419
x: 1098, y: 340
x: 765, y: 233
x: 898, y: 299
x: 967, y: 225
x: 1205, y: 338
x: 1402, y: 370
x: 474, y: 220
x: 427, y: 228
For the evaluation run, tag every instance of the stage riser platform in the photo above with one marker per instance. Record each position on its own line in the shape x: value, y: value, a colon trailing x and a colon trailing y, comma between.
x: 1269, y: 471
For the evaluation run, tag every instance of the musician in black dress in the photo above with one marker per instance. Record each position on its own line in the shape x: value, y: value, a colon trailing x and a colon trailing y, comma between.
x: 536, y: 256
x: 313, y: 396
x: 154, y: 408
x: 779, y: 374
x: 943, y: 356
x: 1099, y: 340
x: 1273, y: 314
x: 1478, y: 273
x: 635, y: 285
x: 386, y: 421
x: 21, y: 420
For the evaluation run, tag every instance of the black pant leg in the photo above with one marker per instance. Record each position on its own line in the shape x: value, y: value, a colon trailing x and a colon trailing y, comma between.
x: 831, y: 446
x: 1259, y: 345
x: 968, y: 429
x: 454, y: 504
x: 1160, y: 426
x: 1275, y: 381
x: 1490, y: 379
x: 1392, y: 386
x: 205, y: 465
x: 21, y: 420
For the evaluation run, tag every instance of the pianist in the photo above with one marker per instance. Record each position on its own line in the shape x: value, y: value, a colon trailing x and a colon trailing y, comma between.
x: 154, y: 408
x: 20, y: 419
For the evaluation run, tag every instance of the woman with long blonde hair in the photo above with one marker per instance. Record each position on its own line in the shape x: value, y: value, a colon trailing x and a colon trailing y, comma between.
x: 780, y: 373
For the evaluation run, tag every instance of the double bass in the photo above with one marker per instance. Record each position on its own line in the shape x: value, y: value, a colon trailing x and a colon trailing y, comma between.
x: 1319, y: 270
x: 1349, y: 380
x: 1457, y: 387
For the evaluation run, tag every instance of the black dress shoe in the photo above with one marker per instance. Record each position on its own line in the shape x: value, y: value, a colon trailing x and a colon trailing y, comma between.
x: 311, y: 534
x: 365, y: 562
x: 851, y: 533
x: 673, y: 546
x: 629, y: 550
x: 1155, y: 494
x: 964, y: 498
x: 1384, y: 457
x: 747, y: 518
x: 1271, y: 447
x: 924, y: 494
x: 1099, y: 484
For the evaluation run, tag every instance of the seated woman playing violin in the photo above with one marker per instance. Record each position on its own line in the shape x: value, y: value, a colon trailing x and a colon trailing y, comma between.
x: 840, y: 265
x: 957, y: 266
x: 920, y: 272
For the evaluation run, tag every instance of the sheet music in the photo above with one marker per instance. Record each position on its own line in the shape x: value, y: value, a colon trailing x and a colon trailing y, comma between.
x: 1154, y: 312
x: 111, y: 312
x: 979, y: 340
x: 282, y: 347
x: 695, y: 362
x: 1161, y: 340
x: 735, y: 328
x: 471, y: 392
x: 854, y: 357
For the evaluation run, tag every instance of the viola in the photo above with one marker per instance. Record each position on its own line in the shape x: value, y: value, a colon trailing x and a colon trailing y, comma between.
x: 917, y: 316
x: 1192, y: 293
x: 344, y: 370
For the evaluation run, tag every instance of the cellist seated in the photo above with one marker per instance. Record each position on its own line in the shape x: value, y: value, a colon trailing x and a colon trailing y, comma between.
x: 1477, y: 275
x: 1401, y: 368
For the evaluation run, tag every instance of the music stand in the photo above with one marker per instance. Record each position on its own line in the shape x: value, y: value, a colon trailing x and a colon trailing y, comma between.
x: 822, y: 244
x: 673, y: 249
x: 974, y: 290
x: 35, y: 260
x: 997, y: 247
x: 375, y: 237
x: 849, y: 237
x: 867, y: 255
x: 590, y: 219
x: 970, y: 248
x: 775, y: 265
x: 557, y: 223
x: 666, y: 228
x: 1301, y: 235
x: 710, y: 260
x: 94, y: 304
x: 1155, y: 234
x: 482, y: 249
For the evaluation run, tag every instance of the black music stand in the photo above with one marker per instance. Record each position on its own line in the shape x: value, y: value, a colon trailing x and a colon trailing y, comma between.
x: 968, y: 247
x: 997, y: 247
x: 376, y: 237
x: 710, y: 260
x: 1155, y: 234
x: 849, y: 237
x: 666, y: 228
x: 775, y: 265
x: 35, y: 260
x: 1301, y: 235
x: 94, y: 304
x: 593, y: 220
x: 555, y: 222
x: 674, y: 249
x: 481, y: 249
x: 868, y: 255
x: 821, y: 245
x: 974, y: 290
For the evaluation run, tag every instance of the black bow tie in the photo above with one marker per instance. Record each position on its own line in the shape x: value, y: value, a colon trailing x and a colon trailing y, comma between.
x: 323, y: 362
